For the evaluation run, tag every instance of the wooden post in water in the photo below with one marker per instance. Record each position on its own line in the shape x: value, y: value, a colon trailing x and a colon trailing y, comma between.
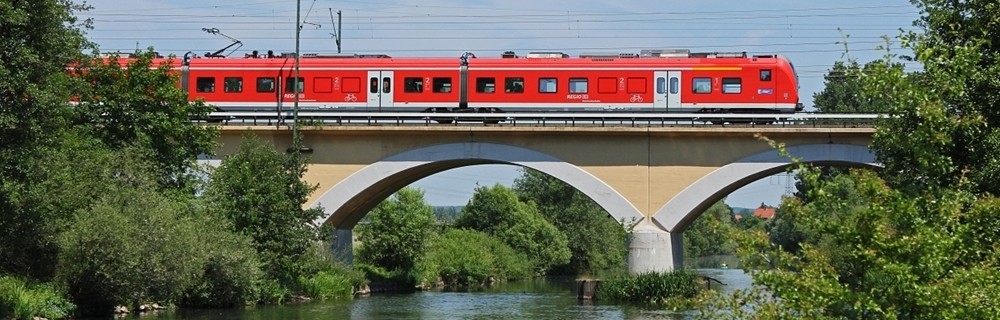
x: 587, y: 289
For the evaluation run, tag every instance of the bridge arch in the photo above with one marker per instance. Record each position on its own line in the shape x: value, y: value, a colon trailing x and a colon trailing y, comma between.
x: 348, y: 201
x: 678, y: 213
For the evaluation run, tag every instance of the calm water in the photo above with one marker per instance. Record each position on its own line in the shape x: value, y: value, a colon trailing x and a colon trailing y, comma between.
x: 539, y: 299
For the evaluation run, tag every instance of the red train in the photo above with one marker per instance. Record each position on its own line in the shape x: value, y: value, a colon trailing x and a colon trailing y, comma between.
x: 652, y: 81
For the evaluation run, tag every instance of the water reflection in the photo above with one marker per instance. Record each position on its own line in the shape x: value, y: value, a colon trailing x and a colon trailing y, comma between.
x: 539, y: 299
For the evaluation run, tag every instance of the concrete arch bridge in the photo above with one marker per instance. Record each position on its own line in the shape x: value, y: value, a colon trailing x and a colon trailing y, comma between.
x: 661, y: 178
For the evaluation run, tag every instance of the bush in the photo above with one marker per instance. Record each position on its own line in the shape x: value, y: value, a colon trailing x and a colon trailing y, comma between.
x: 229, y: 277
x: 498, y: 212
x: 134, y: 246
x: 329, y: 278
x: 326, y: 284
x: 395, y: 232
x: 393, y: 280
x: 320, y: 259
x: 653, y: 288
x: 19, y: 300
x: 466, y: 257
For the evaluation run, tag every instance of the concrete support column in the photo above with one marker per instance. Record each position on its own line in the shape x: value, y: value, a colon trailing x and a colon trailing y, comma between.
x: 652, y: 249
x: 342, y: 246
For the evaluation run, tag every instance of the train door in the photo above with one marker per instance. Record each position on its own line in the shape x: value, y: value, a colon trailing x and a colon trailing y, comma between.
x: 668, y: 90
x: 379, y: 90
x: 674, y: 90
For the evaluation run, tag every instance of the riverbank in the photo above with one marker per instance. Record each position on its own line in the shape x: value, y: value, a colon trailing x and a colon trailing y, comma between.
x: 546, y: 298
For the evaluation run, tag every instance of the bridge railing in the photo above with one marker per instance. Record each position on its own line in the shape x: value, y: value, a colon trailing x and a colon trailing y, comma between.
x: 311, y: 118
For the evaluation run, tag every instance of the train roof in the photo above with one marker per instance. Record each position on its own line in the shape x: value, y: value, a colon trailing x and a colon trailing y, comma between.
x: 508, y: 59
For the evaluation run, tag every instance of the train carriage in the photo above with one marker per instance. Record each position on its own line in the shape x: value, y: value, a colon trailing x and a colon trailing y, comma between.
x: 652, y: 81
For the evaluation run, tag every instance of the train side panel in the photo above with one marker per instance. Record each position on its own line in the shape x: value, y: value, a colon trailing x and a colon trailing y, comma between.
x: 718, y: 85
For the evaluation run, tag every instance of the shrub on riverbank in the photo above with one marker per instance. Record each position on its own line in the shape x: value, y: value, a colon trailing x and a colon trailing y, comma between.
x: 19, y: 300
x: 653, y: 288
x: 325, y: 277
x: 230, y: 276
x: 133, y: 246
x: 325, y: 285
x: 466, y: 257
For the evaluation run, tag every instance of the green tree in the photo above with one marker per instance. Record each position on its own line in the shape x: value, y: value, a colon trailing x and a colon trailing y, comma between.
x: 783, y: 229
x: 39, y: 39
x: 261, y: 192
x: 469, y: 258
x: 949, y: 112
x: 132, y: 245
x: 708, y: 234
x: 750, y: 222
x: 596, y: 240
x: 844, y: 88
x: 497, y: 212
x: 134, y: 102
x: 394, y: 234
x: 893, y: 256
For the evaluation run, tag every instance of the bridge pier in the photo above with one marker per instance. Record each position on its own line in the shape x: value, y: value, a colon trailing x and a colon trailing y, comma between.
x: 652, y: 249
x: 342, y: 246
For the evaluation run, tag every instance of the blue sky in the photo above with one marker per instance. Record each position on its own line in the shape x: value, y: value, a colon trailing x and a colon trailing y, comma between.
x: 810, y: 33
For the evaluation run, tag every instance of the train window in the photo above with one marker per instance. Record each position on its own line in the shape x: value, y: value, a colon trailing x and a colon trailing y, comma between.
x: 265, y: 84
x: 352, y: 85
x: 233, y: 84
x: 373, y: 87
x: 514, y: 85
x: 661, y: 85
x: 386, y: 85
x: 577, y: 85
x: 205, y: 84
x: 607, y: 85
x: 732, y: 85
x: 322, y: 84
x: 547, y: 85
x: 636, y: 85
x: 413, y: 85
x: 701, y: 85
x: 675, y: 85
x: 486, y: 85
x: 765, y: 75
x: 290, y: 85
x: 442, y: 85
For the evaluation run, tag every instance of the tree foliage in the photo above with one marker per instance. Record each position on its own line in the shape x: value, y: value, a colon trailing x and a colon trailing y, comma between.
x: 95, y: 195
x: 261, y: 192
x: 596, y: 240
x: 498, y: 212
x: 394, y: 234
x: 133, y: 102
x: 919, y: 239
x: 949, y: 111
x: 471, y: 258
x: 891, y: 256
x: 708, y: 235
x: 843, y: 90
x: 39, y: 39
x: 132, y: 245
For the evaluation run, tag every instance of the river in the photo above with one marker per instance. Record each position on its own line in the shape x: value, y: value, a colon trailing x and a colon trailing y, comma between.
x: 537, y: 299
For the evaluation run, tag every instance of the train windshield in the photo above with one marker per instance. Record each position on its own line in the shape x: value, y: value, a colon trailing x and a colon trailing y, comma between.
x: 796, y: 73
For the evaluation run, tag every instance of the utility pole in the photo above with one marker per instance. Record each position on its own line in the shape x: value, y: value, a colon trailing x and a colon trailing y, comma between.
x: 296, y: 143
x: 336, y: 27
x: 789, y: 184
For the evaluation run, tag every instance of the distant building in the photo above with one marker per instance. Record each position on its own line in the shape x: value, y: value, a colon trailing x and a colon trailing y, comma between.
x: 765, y: 212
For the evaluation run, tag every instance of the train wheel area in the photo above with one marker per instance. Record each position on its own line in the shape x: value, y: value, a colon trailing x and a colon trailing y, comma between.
x: 487, y: 115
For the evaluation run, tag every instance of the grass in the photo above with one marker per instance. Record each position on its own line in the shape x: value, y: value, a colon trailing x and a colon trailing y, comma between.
x: 651, y: 288
x: 20, y: 300
x: 325, y: 285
